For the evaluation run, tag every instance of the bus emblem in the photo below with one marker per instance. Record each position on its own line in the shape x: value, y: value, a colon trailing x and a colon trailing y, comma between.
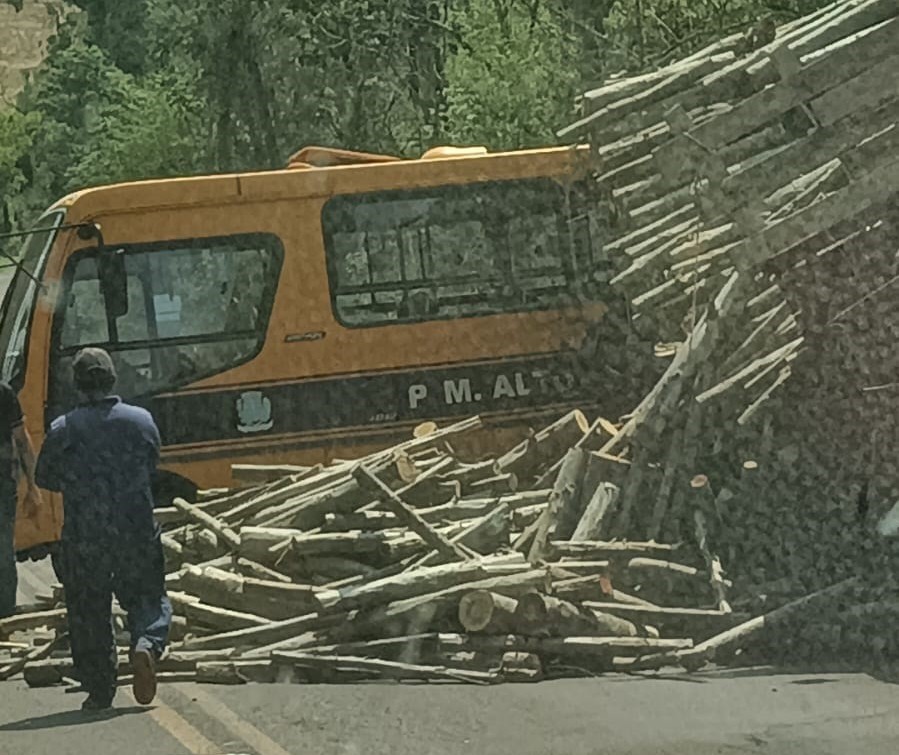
x: 254, y: 412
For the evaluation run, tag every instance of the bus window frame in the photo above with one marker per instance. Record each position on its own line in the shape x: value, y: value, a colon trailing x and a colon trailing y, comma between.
x: 332, y: 260
x: 270, y: 241
x: 57, y: 217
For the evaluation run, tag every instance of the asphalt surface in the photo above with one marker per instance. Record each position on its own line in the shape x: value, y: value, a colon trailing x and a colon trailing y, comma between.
x: 802, y: 715
x: 752, y: 711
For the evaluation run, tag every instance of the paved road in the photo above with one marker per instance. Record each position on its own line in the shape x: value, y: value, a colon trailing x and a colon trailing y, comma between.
x: 826, y: 715
x: 720, y: 714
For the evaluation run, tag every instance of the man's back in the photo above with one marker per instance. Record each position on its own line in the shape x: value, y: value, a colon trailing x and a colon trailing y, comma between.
x: 102, y: 457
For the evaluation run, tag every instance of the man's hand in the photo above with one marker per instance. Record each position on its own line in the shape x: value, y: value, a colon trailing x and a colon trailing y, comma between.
x: 33, y: 501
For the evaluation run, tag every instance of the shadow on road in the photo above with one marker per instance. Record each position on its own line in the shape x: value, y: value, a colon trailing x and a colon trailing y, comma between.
x: 69, y: 718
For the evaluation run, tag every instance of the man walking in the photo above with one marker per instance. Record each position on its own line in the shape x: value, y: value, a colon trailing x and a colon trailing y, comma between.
x: 102, y: 457
x: 15, y: 448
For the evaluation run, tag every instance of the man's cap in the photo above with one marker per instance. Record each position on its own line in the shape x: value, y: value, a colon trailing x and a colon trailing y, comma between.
x: 92, y: 364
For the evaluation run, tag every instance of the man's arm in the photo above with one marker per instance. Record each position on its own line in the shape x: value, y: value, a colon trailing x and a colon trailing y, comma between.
x: 25, y: 450
x: 48, y: 470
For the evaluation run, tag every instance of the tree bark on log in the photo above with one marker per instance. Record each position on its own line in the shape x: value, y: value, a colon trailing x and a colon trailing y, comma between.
x: 270, y: 633
x: 270, y: 600
x: 236, y: 672
x: 489, y: 612
x: 602, y: 503
x: 391, y: 669
x: 373, y: 486
x: 544, y: 615
x: 24, y: 621
x: 734, y: 637
x: 224, y: 534
x: 516, y: 666
x: 487, y: 535
x: 421, y: 581
x: 546, y: 446
x: 261, y: 474
x: 559, y: 515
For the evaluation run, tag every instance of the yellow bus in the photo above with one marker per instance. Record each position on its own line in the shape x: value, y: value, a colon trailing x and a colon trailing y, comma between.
x: 313, y: 312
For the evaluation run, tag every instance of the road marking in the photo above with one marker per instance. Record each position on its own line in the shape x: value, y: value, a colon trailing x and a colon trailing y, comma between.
x: 263, y: 744
x: 195, y: 742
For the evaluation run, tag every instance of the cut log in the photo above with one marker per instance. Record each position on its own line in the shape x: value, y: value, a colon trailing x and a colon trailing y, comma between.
x: 236, y: 672
x: 421, y: 581
x: 224, y: 534
x: 528, y: 458
x: 559, y: 517
x: 360, y: 520
x: 390, y: 669
x: 739, y: 635
x: 270, y: 600
x: 390, y: 648
x: 471, y: 473
x: 256, y: 542
x: 498, y: 485
x: 470, y: 508
x: 429, y: 488
x: 590, y: 549
x: 590, y: 526
x: 521, y: 667
x: 485, y: 611
x: 257, y: 571
x: 393, y: 618
x: 258, y: 474
x: 419, y: 526
x: 21, y: 622
x: 487, y: 535
x: 611, y: 645
x: 38, y: 653
x: 275, y: 631
x: 219, y: 619
x: 544, y: 615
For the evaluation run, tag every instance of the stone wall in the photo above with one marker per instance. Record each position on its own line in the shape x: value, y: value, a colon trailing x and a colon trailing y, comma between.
x: 24, y: 37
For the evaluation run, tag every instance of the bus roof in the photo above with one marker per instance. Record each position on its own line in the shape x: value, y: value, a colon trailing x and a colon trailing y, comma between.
x: 321, y: 171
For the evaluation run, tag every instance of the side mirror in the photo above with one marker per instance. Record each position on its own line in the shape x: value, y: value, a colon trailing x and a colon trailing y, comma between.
x: 113, y: 281
x: 111, y: 269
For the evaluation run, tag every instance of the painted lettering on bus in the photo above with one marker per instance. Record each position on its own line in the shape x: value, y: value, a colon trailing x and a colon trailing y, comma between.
x: 461, y: 391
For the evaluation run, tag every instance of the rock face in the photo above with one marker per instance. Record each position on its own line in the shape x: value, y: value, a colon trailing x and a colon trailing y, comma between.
x: 24, y: 37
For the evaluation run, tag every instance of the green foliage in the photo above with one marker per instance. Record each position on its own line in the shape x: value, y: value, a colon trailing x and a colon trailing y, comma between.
x: 510, y: 84
x: 16, y: 135
x: 141, y: 88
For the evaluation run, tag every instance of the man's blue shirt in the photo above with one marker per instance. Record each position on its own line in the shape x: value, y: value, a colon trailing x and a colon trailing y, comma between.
x: 102, y: 457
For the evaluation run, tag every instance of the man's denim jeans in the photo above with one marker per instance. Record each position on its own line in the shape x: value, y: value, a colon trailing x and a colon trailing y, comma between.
x: 8, y: 577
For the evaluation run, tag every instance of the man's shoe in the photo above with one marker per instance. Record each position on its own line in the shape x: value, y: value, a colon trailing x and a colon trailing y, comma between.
x: 95, y: 704
x: 144, y: 667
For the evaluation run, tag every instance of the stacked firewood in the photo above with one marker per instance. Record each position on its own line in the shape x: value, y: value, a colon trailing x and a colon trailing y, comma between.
x: 410, y: 564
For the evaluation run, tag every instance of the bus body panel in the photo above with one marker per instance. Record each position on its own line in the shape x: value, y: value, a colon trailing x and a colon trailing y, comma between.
x: 438, y: 369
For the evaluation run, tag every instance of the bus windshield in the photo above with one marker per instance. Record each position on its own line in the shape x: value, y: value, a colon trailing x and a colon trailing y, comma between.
x: 19, y: 300
x: 195, y: 307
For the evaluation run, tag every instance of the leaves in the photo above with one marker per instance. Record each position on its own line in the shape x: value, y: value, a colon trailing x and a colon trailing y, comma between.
x: 141, y: 88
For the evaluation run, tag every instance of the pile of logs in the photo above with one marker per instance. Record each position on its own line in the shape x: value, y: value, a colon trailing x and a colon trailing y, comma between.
x: 726, y: 182
x: 409, y: 564
x: 749, y: 190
